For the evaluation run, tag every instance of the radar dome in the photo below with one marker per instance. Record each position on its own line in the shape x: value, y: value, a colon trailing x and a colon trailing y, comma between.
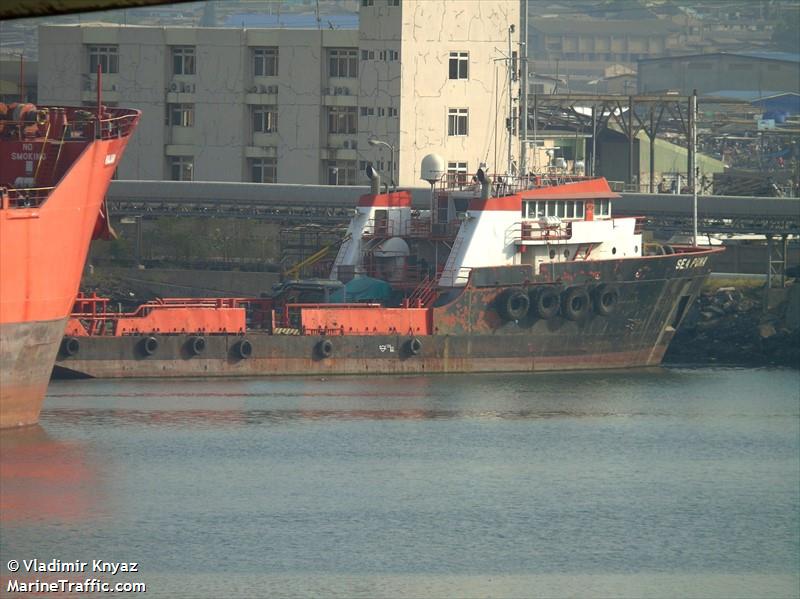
x: 432, y: 168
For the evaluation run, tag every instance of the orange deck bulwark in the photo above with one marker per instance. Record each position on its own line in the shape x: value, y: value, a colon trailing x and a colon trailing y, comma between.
x: 367, y: 320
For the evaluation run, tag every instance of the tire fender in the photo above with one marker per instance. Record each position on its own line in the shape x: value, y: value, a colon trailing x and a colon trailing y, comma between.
x: 513, y: 304
x: 149, y: 345
x: 196, y: 345
x: 70, y: 346
x: 544, y: 302
x: 575, y: 303
x: 606, y: 298
x: 325, y: 348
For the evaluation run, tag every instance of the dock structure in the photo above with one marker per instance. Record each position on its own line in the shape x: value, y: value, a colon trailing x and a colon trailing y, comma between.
x: 322, y: 204
x: 778, y: 219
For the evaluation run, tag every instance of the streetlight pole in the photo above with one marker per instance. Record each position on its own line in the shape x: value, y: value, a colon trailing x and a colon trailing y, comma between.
x: 379, y: 142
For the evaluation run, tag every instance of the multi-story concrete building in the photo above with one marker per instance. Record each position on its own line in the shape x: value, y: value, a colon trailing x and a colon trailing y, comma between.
x: 300, y: 106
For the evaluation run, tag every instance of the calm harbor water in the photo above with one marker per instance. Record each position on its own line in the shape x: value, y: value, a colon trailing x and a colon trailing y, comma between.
x: 659, y: 483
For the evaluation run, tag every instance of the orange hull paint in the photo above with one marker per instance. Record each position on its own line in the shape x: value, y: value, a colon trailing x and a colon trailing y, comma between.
x: 368, y: 320
x: 43, y: 253
x: 44, y: 249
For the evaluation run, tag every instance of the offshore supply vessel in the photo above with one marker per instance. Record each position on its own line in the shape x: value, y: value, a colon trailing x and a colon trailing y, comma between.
x: 57, y: 163
x: 508, y: 274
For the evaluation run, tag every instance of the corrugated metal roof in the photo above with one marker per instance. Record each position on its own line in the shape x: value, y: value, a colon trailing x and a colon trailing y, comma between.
x: 749, y: 95
x: 780, y: 56
x: 292, y: 21
x: 561, y: 26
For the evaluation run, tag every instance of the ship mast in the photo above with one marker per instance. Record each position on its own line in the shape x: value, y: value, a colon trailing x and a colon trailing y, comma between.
x: 510, y: 119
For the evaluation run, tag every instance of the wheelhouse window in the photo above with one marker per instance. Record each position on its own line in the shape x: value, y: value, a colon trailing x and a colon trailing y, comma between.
x: 265, y: 62
x: 106, y: 57
x: 265, y: 119
x: 459, y: 65
x: 183, y: 60
x: 564, y: 209
x: 264, y: 170
x: 602, y: 207
x: 342, y: 119
x: 180, y: 115
x: 181, y: 168
x: 343, y: 62
x: 457, y: 121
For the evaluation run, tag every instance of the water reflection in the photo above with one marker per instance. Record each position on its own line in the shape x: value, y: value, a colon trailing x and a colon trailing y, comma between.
x: 42, y: 478
x: 216, y: 417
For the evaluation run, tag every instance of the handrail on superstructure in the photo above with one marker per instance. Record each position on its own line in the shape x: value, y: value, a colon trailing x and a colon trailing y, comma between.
x: 507, y: 184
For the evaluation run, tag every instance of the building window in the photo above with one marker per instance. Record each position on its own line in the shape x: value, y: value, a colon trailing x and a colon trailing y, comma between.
x: 106, y: 57
x: 265, y: 62
x: 514, y: 62
x: 394, y: 55
x: 391, y: 111
x: 457, y: 173
x: 181, y: 168
x: 183, y: 60
x: 457, y: 121
x: 342, y: 119
x: 367, y: 54
x: 341, y: 172
x: 343, y: 62
x: 367, y: 2
x: 366, y: 111
x: 264, y: 170
x: 180, y: 115
x: 381, y: 111
x: 459, y: 65
x: 265, y: 119
x: 394, y: 2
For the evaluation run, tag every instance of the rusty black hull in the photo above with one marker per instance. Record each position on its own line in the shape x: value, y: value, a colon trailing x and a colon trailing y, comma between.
x: 470, y: 334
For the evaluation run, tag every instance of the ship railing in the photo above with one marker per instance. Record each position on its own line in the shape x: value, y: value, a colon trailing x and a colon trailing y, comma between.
x: 118, y: 126
x: 28, y: 197
x: 528, y: 230
x: 424, y: 294
x: 503, y: 185
x: 93, y: 311
x: 416, y: 227
x: 290, y: 316
x: 78, y: 125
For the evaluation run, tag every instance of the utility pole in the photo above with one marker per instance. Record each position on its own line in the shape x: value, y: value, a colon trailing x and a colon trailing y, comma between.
x: 510, y: 100
x: 693, y: 173
x: 523, y: 109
